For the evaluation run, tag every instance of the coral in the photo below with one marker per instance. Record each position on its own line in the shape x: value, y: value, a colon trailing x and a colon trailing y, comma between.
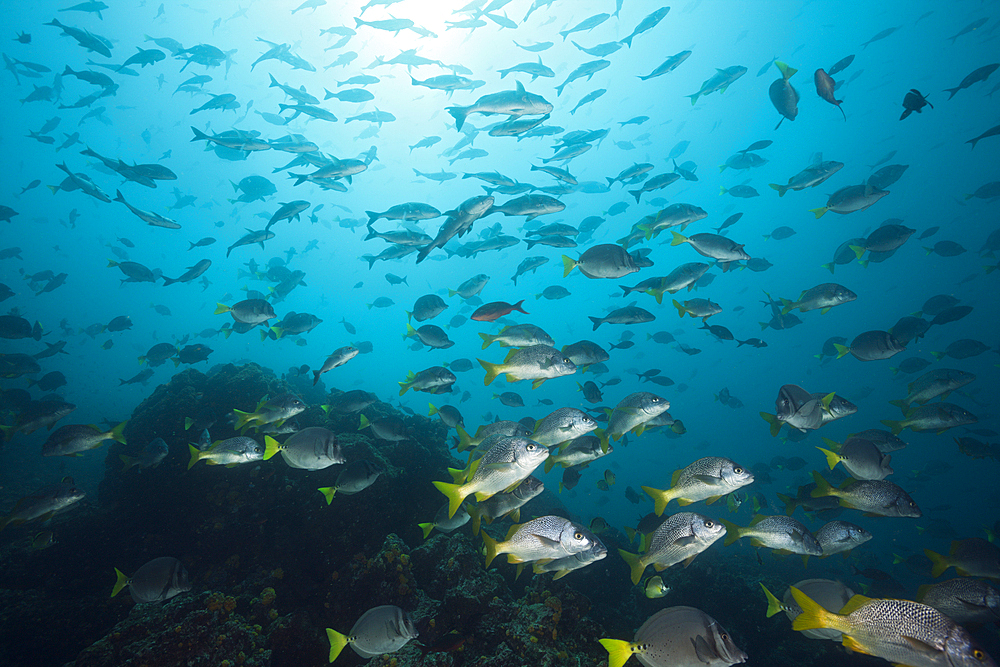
x: 187, y: 630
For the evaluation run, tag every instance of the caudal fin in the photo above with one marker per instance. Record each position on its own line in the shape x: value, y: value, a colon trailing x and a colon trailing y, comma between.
x: 453, y: 492
x: 459, y: 114
x: 660, y: 497
x: 492, y: 370
x: 634, y: 564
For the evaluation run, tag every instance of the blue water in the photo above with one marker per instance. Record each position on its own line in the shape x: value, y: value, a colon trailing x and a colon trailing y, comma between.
x: 145, y: 119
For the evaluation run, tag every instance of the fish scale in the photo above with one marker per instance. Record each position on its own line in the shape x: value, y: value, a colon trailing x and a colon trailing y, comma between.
x: 888, y: 628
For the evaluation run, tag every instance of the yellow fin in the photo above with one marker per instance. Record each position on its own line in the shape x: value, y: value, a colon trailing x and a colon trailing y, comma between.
x: 121, y: 583
x: 635, y: 564
x: 337, y: 643
x: 454, y: 493
x: 814, y: 616
x: 619, y: 651
x: 660, y: 498
x: 271, y: 447
x: 773, y: 604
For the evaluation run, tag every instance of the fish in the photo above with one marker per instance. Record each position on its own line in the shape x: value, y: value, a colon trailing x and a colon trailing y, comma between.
x: 871, y: 346
x: 976, y: 76
x: 971, y: 557
x: 627, y: 315
x: 434, y: 380
x: 861, y: 458
x: 448, y: 414
x: 677, y: 636
x: 962, y: 600
x: 387, y: 628
x: 562, y: 426
x: 781, y: 533
x: 157, y: 581
x: 601, y: 261
x: 507, y: 463
x: 72, y: 439
x: 565, y: 565
x: 937, y: 417
x: 312, y: 448
x: 876, y: 497
x: 536, y: 362
x: 547, y: 537
x: 783, y: 96
x: 44, y: 503
x: 503, y: 504
x: 680, y: 538
x: 354, y: 478
x: 668, y: 65
x: 825, y: 87
x: 840, y: 536
x: 992, y: 132
x: 579, y: 451
x: 514, y: 103
x: 822, y: 297
x: 587, y: 24
x: 850, y: 199
x: 269, y: 411
x: 713, y: 246
x: 631, y: 414
x: 707, y: 479
x: 151, y: 455
x: 229, y: 452
x: 939, y: 382
x: 900, y: 631
x: 496, y: 309
x: 655, y: 588
x: 444, y: 524
x: 720, y: 81
x: 248, y: 311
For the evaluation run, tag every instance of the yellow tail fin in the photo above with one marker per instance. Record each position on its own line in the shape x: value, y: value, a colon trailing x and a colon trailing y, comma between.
x: 337, y: 643
x: 661, y: 498
x: 195, y: 456
x: 492, y: 371
x: 328, y: 493
x: 271, y: 447
x: 568, y: 265
x: 940, y: 563
x: 832, y: 458
x: 732, y: 532
x: 121, y: 583
x: 116, y: 432
x: 814, y: 616
x: 491, y: 548
x: 242, y: 418
x: 454, y: 493
x: 773, y: 604
x: 635, y: 564
x: 427, y: 528
x: 619, y: 651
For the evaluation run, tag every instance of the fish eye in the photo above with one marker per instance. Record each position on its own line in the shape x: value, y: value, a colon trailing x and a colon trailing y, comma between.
x: 709, y: 524
x: 978, y: 655
x: 578, y: 535
x: 530, y: 448
x: 725, y: 636
x: 738, y: 470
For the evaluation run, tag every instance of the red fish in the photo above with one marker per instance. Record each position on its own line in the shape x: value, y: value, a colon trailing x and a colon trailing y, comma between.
x: 491, y: 311
x: 824, y: 88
